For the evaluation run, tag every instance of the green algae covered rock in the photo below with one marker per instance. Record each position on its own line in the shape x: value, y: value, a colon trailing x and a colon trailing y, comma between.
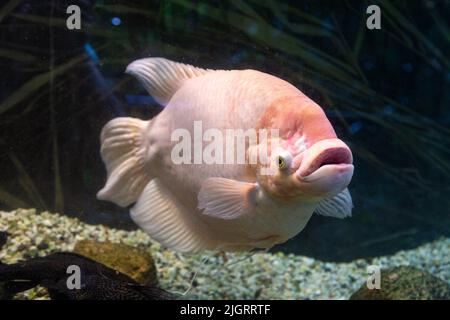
x: 405, y: 283
x: 136, y: 263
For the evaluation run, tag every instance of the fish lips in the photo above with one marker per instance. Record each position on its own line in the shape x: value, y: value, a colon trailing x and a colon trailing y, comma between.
x: 326, y: 168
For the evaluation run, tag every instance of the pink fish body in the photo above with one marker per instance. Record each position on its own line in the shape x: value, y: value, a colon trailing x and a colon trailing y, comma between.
x: 193, y: 205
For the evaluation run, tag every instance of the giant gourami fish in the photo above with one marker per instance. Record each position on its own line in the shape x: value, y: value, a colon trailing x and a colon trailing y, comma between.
x: 191, y: 207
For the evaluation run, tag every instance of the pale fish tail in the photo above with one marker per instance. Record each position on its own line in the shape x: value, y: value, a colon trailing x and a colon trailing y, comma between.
x: 123, y: 152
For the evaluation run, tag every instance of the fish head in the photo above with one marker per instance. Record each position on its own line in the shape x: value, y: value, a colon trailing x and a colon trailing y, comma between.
x: 307, y: 161
x: 319, y: 171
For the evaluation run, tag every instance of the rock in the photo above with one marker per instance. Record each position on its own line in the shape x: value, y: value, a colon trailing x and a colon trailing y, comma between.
x: 136, y: 263
x: 405, y: 283
x: 42, y: 245
x: 3, y: 294
x: 98, y: 282
x: 3, y: 238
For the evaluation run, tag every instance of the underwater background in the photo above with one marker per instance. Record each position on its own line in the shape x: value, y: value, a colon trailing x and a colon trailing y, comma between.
x: 386, y: 92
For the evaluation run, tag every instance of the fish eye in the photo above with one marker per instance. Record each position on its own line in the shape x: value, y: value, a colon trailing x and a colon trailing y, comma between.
x: 283, y: 160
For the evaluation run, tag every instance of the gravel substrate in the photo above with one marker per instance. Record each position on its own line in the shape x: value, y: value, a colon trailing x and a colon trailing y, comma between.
x: 217, y: 276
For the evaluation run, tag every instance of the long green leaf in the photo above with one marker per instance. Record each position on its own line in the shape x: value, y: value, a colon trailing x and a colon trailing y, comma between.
x: 37, y: 82
x: 15, y: 55
x: 11, y: 200
x: 8, y: 7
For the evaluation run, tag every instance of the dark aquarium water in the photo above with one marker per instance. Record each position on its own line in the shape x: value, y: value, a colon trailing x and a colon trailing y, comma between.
x: 382, y: 78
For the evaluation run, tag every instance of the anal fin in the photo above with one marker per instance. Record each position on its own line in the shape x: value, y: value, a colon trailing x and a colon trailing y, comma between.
x: 159, y: 213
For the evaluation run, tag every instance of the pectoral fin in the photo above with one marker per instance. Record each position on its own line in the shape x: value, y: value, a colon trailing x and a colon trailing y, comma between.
x: 227, y: 199
x: 340, y: 206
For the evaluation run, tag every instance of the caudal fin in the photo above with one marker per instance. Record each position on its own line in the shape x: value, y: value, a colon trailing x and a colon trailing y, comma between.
x: 123, y: 152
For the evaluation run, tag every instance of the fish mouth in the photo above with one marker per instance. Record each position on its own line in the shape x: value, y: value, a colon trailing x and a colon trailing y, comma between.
x: 334, y: 156
x: 327, y: 167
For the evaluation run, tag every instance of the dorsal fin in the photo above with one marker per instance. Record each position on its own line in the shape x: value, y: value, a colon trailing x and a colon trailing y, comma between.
x: 161, y: 77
